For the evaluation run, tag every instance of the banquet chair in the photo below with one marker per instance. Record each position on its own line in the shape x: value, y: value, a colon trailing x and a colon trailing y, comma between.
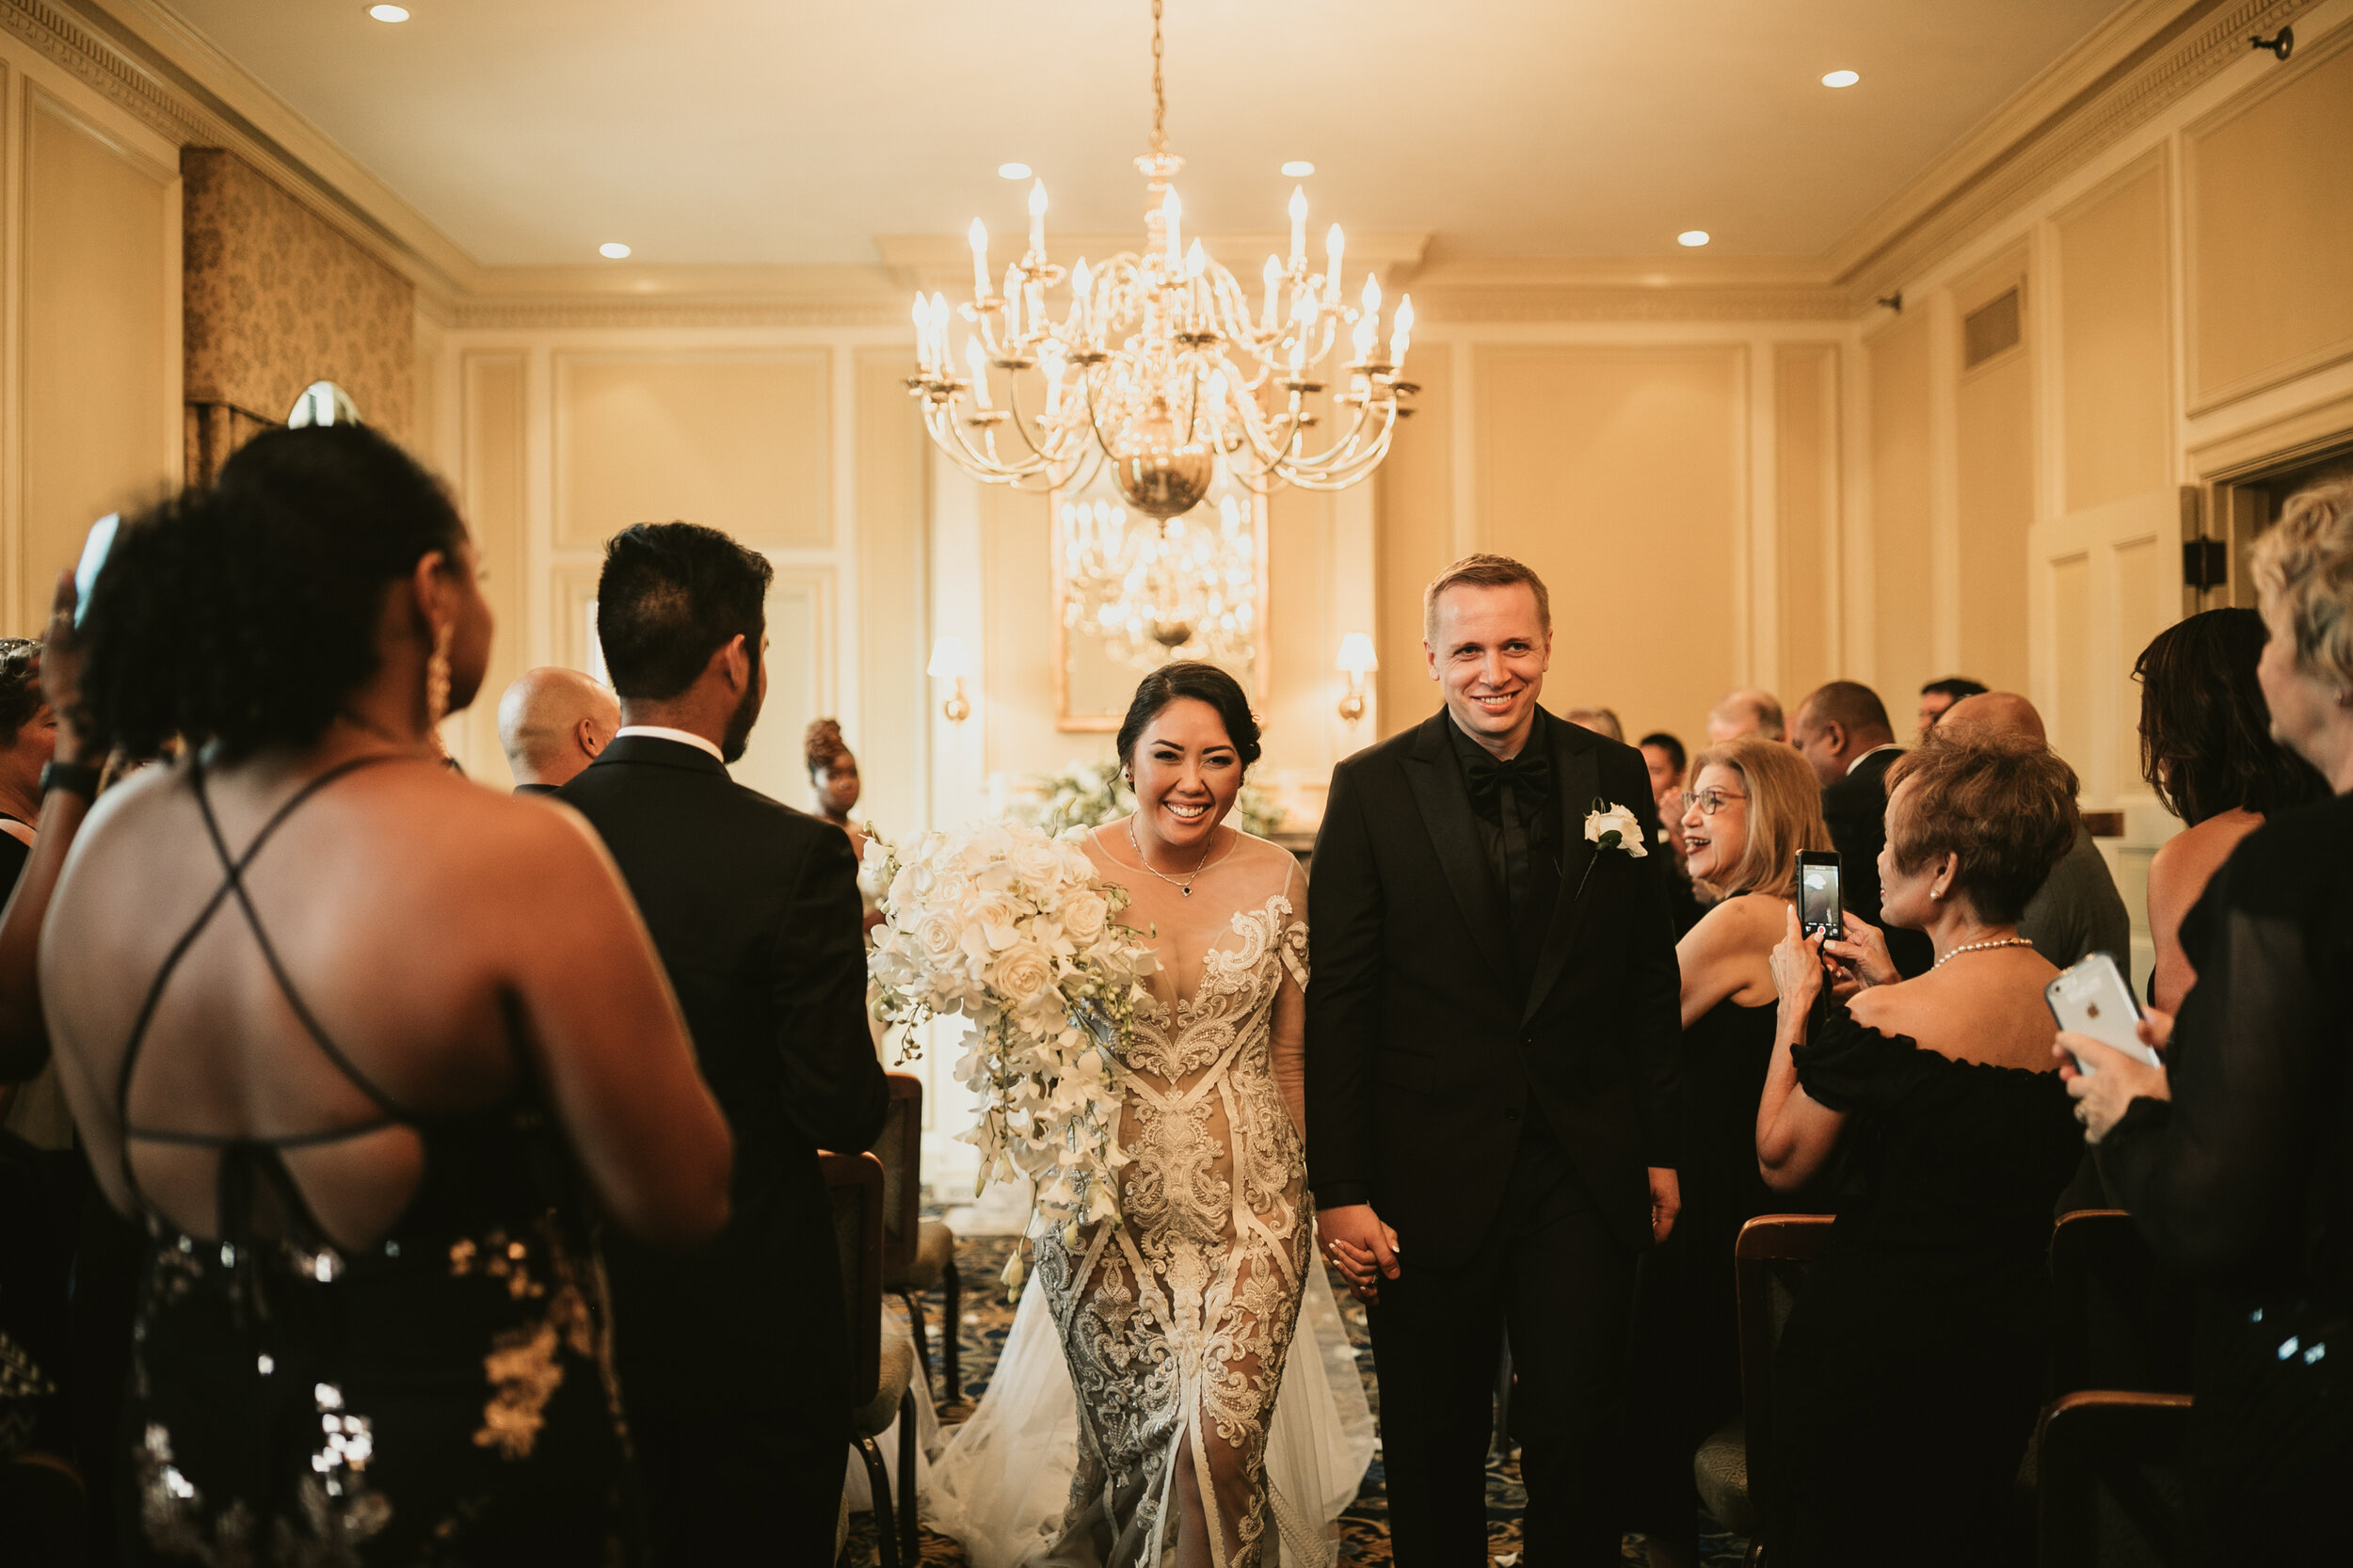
x: 918, y: 1254
x: 1732, y: 1468
x: 2111, y: 1484
x: 2118, y: 1319
x: 882, y: 1367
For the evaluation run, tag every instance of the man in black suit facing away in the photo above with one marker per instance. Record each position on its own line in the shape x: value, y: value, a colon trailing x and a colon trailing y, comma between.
x: 1492, y: 1046
x: 1842, y: 732
x: 733, y: 1361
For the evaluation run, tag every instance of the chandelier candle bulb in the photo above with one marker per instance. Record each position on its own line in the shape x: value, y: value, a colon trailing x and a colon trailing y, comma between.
x: 975, y: 357
x: 1400, y: 332
x: 979, y: 237
x: 922, y: 315
x: 1273, y: 280
x: 1334, y: 244
x: 1013, y: 307
x: 1299, y: 227
x: 1037, y: 220
x: 1172, y: 218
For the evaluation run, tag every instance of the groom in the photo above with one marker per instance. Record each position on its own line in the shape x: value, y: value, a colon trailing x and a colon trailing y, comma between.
x: 1492, y: 1039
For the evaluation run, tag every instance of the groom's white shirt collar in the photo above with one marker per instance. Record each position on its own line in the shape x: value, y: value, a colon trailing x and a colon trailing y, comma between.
x: 659, y: 733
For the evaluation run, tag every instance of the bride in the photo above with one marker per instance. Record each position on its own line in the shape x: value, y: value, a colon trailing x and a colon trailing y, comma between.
x: 1184, y: 1425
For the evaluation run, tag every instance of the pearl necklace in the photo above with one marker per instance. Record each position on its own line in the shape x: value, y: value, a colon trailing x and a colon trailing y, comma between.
x: 1980, y: 947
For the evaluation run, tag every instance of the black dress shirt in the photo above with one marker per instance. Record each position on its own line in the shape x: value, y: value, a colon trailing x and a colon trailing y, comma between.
x: 1516, y: 808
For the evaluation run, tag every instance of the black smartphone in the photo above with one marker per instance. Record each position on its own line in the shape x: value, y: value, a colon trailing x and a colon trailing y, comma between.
x: 1822, y: 910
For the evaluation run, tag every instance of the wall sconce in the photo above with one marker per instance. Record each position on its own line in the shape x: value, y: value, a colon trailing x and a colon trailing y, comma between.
x: 1356, y: 660
x: 951, y: 663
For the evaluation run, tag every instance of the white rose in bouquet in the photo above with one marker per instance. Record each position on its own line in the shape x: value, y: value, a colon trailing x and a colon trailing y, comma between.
x: 1084, y: 914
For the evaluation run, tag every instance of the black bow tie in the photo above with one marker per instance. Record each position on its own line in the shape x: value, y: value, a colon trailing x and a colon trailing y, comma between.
x: 1529, y: 775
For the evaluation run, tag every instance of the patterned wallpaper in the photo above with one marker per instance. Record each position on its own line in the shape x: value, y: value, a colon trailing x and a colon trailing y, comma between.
x: 276, y: 298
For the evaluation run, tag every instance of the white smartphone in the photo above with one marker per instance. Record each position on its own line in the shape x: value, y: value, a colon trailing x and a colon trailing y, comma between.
x: 94, y: 549
x: 2093, y: 999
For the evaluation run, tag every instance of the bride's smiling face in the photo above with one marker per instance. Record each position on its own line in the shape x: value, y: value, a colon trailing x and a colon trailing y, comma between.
x: 1186, y: 773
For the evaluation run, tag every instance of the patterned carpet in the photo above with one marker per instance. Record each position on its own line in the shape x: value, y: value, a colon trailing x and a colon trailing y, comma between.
x: 1363, y: 1528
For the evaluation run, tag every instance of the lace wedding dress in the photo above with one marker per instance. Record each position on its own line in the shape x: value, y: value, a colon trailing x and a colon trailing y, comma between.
x: 1166, y: 1341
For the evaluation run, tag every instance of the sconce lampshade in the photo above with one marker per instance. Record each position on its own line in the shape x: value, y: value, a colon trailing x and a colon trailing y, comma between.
x: 948, y: 660
x: 1357, y: 656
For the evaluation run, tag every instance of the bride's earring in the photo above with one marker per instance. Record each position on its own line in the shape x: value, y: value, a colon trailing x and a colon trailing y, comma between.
x: 436, y: 677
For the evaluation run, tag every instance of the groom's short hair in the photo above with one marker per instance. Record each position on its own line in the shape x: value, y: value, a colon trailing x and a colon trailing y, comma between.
x: 1482, y: 571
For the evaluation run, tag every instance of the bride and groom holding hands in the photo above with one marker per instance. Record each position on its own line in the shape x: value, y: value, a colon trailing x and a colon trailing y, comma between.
x: 1484, y: 1067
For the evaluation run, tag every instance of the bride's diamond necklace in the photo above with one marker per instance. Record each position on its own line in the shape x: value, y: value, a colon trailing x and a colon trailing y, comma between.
x: 1184, y: 887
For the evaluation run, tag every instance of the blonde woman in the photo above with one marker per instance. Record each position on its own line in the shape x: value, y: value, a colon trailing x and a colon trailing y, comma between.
x: 1751, y: 805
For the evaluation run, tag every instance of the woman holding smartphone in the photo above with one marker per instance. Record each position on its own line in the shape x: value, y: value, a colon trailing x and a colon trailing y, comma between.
x: 2233, y: 1157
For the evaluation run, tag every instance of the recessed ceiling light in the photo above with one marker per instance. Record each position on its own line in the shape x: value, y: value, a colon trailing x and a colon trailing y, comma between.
x: 1842, y: 79
x: 389, y: 13
x: 1692, y: 237
x: 1013, y: 171
x: 613, y: 250
x: 1298, y: 168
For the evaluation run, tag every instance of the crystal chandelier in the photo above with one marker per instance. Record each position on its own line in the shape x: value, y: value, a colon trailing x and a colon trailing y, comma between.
x: 1159, y: 362
x: 1151, y: 589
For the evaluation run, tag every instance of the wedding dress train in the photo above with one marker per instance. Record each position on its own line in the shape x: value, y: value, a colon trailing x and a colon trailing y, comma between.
x: 1166, y: 1341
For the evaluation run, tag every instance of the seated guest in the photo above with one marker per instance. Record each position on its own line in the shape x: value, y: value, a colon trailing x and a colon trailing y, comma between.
x: 1745, y: 712
x: 553, y: 722
x: 2206, y: 748
x: 1907, y: 1381
x: 1842, y: 730
x: 1663, y: 757
x: 1752, y: 805
x: 364, y: 1048
x: 736, y: 1358
x: 2078, y: 910
x: 2233, y: 1156
x: 1938, y: 697
x: 1602, y: 721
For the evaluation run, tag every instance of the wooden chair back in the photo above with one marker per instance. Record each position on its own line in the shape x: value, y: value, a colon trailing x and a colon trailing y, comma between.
x: 2118, y: 1319
x: 854, y: 1182
x: 901, y: 1150
x: 1769, y: 1265
x: 2112, y: 1489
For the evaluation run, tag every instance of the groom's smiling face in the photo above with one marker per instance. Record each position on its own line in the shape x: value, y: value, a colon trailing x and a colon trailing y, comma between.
x: 1488, y: 651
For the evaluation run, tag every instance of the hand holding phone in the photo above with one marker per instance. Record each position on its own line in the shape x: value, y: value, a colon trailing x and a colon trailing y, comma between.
x: 2093, y: 999
x: 1821, y: 907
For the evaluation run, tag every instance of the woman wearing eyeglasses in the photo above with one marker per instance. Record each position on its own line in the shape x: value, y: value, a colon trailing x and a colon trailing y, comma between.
x: 1752, y: 805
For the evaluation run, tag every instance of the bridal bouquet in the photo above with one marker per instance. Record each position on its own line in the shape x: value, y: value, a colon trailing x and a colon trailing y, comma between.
x: 1014, y: 932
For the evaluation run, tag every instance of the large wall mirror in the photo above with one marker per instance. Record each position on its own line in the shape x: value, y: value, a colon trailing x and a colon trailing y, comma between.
x: 1133, y: 593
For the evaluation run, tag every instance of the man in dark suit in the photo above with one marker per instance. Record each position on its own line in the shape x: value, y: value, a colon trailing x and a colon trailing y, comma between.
x: 1492, y: 1041
x: 1842, y: 729
x: 733, y: 1361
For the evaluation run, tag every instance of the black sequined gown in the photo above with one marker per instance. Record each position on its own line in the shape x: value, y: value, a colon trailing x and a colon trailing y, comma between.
x: 2246, y: 1180
x: 1908, y: 1378
x: 443, y: 1397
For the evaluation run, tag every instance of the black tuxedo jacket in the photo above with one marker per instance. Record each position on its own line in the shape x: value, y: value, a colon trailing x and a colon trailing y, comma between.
x: 1424, y: 1050
x: 1855, y: 810
x: 755, y: 909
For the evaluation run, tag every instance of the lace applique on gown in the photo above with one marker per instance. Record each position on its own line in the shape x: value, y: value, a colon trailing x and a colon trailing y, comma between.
x: 1177, y: 1323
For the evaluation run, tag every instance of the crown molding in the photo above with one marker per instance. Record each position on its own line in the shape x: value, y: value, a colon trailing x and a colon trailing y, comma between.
x: 2145, y: 57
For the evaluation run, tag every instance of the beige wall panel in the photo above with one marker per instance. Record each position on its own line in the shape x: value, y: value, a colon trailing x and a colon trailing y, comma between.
x: 1805, y: 436
x: 738, y: 442
x: 891, y: 730
x: 573, y: 590
x: 2139, y: 616
x: 1993, y: 432
x: 1017, y: 661
x: 1900, y: 508
x: 1588, y: 457
x: 99, y: 343
x: 2114, y: 340
x: 490, y: 484
x: 2071, y: 720
x: 800, y: 684
x: 2270, y: 188
x: 1413, y: 503
x: 1302, y: 689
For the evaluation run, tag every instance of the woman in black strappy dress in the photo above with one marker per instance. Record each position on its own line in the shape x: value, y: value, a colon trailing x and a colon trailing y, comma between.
x: 360, y: 1042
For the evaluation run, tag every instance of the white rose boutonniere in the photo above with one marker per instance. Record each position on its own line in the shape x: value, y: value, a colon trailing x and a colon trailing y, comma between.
x: 1607, y: 828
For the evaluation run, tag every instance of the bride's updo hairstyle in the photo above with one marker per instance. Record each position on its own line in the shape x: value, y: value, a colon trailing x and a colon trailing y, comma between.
x: 1203, y: 683
x: 246, y: 613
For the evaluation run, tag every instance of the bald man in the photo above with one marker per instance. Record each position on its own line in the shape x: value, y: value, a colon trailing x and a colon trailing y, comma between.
x: 2078, y: 909
x: 1747, y: 712
x: 553, y: 722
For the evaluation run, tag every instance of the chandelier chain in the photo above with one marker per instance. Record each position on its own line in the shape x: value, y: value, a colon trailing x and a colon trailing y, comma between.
x: 1159, y: 93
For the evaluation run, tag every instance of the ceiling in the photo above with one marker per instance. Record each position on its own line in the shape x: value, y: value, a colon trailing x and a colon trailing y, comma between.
x: 786, y: 132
